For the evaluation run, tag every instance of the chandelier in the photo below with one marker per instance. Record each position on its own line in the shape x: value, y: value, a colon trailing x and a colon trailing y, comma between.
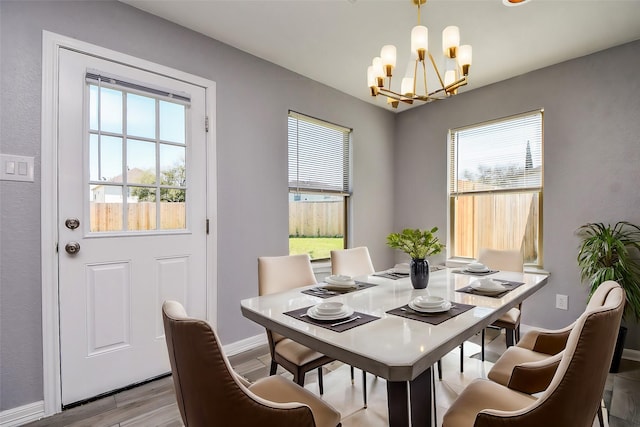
x: 457, y: 63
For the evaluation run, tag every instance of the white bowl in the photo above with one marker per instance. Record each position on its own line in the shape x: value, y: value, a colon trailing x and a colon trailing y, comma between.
x: 341, y: 278
x: 428, y: 301
x: 487, y: 284
x: 476, y: 266
x: 329, y: 307
x: 402, y: 268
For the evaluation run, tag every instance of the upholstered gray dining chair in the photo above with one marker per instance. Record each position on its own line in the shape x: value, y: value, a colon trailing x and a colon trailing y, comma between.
x: 573, y: 396
x: 210, y: 394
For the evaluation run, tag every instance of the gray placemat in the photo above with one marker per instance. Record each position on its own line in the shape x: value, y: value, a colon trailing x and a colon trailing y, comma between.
x: 362, y: 318
x: 506, y: 283
x: 475, y: 273
x: 321, y: 292
x: 432, y: 318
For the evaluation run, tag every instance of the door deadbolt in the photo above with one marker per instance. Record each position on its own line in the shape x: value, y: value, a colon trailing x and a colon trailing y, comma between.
x: 72, y: 223
x: 72, y: 248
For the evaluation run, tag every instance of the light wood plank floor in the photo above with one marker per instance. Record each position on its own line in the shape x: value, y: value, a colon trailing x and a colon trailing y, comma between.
x: 153, y: 404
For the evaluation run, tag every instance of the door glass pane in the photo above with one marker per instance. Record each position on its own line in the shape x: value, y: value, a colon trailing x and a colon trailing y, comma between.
x: 141, y: 162
x: 94, y: 172
x: 105, y: 207
x: 141, y: 207
x: 172, y: 209
x: 141, y: 116
x: 172, y: 167
x: 110, y: 159
x: 172, y: 122
x: 110, y: 110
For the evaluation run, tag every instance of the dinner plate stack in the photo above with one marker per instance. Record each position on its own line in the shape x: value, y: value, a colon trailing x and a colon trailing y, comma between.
x: 339, y: 282
x: 429, y: 304
x: 477, y: 267
x: 329, y: 311
x: 402, y: 268
x: 487, y: 286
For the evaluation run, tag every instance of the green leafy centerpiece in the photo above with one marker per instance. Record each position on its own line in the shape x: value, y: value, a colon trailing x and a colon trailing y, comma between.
x: 418, y: 244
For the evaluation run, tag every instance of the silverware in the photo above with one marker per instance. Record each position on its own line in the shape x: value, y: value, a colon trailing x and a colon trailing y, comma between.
x: 303, y: 314
x: 346, y: 321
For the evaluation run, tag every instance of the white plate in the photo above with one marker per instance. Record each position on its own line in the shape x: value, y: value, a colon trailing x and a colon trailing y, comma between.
x: 343, y: 283
x: 444, y: 307
x: 401, y: 269
x: 428, y: 301
x: 489, y: 291
x: 468, y: 270
x: 329, y: 307
x: 346, y: 312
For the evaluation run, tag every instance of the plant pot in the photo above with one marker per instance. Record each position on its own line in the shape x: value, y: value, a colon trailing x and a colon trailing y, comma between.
x: 419, y: 273
x: 617, y: 353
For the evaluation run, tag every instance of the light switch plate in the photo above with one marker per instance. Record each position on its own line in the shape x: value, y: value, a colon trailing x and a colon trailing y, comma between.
x: 16, y: 168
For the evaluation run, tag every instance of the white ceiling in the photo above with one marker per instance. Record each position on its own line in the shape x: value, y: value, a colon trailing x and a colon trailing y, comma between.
x: 333, y: 41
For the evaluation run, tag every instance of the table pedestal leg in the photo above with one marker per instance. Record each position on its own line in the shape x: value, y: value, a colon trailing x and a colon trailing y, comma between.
x: 415, y: 398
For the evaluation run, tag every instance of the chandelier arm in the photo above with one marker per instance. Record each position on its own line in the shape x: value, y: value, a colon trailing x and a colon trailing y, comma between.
x: 415, y: 73
x: 396, y: 96
x: 424, y: 77
x: 433, y: 62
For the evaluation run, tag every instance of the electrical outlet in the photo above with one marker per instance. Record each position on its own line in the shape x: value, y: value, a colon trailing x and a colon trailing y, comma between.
x: 562, y: 302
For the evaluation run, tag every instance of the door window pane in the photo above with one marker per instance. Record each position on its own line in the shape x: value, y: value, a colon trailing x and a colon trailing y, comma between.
x: 172, y: 166
x: 141, y: 116
x: 141, y: 208
x: 141, y: 162
x: 110, y: 158
x: 172, y: 122
x: 105, y: 207
x: 110, y: 110
x: 94, y: 158
x: 93, y: 107
x: 173, y: 214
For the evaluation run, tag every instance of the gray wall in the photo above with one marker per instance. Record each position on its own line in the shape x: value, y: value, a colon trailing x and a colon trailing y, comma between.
x: 253, y: 98
x: 591, y: 160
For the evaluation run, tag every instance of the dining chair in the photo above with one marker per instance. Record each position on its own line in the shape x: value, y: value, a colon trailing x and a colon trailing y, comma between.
x: 210, y: 394
x: 573, y: 396
x: 529, y: 366
x: 281, y: 273
x: 353, y: 262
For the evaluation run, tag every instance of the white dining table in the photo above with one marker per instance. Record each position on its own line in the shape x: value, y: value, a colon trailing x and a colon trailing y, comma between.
x: 398, y: 349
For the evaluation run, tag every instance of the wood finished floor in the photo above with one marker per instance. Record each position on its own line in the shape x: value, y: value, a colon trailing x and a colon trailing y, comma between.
x: 153, y: 404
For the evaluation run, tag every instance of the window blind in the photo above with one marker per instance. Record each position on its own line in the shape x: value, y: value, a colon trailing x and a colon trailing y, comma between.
x: 502, y: 155
x: 318, y: 155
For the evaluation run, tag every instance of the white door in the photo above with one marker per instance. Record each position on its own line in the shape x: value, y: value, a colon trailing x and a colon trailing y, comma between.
x: 132, y: 206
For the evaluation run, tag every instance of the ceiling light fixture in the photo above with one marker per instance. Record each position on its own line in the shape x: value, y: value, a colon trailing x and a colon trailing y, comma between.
x: 457, y: 58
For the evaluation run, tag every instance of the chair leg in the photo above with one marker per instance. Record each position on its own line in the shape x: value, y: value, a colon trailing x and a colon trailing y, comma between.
x: 352, y: 375
x: 274, y: 368
x: 510, y: 335
x: 517, y: 333
x: 482, y: 345
x: 320, y: 384
x: 440, y: 369
x: 461, y: 357
x: 364, y: 387
x: 433, y: 395
x: 600, y: 417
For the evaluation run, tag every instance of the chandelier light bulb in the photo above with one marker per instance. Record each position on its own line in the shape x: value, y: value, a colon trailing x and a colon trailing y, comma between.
x: 378, y: 70
x: 420, y: 41
x: 465, y: 58
x: 450, y: 41
x: 388, y: 55
x: 449, y: 77
x: 371, y: 78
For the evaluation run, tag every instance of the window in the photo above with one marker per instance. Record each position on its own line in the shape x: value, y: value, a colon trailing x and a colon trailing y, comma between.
x: 319, y: 184
x: 495, y: 187
x: 137, y: 150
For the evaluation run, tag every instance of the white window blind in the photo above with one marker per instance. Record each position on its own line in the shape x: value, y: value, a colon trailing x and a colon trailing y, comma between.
x: 498, y: 156
x: 318, y: 155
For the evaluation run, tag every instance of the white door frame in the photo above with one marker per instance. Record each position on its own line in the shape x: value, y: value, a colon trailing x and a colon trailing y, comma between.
x: 51, y: 44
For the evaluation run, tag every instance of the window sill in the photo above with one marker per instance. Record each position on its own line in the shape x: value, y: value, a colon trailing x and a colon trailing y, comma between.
x: 462, y: 262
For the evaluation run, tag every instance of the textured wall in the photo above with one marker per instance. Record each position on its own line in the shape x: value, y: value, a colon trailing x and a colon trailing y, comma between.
x: 253, y: 98
x: 591, y: 160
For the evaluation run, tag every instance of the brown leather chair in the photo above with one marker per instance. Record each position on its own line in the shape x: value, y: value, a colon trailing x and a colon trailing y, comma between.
x: 209, y: 393
x: 573, y: 396
x: 280, y: 273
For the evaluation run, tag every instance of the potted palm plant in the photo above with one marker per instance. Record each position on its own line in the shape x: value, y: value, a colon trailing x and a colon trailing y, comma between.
x: 418, y: 244
x: 612, y: 253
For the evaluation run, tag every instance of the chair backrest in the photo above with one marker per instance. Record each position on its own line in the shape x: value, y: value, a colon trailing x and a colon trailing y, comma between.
x: 575, y: 392
x: 351, y: 262
x: 281, y: 273
x: 508, y: 260
x: 207, y: 390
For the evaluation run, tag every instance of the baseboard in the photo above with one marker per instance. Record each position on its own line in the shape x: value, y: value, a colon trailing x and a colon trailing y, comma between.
x: 22, y: 415
x: 244, y: 345
x: 630, y: 354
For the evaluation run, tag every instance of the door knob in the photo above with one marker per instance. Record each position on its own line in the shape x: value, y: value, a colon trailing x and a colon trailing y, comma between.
x: 72, y: 248
x: 72, y: 223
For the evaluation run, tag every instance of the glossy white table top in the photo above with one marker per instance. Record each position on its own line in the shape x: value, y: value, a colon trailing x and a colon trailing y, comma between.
x: 393, y: 347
